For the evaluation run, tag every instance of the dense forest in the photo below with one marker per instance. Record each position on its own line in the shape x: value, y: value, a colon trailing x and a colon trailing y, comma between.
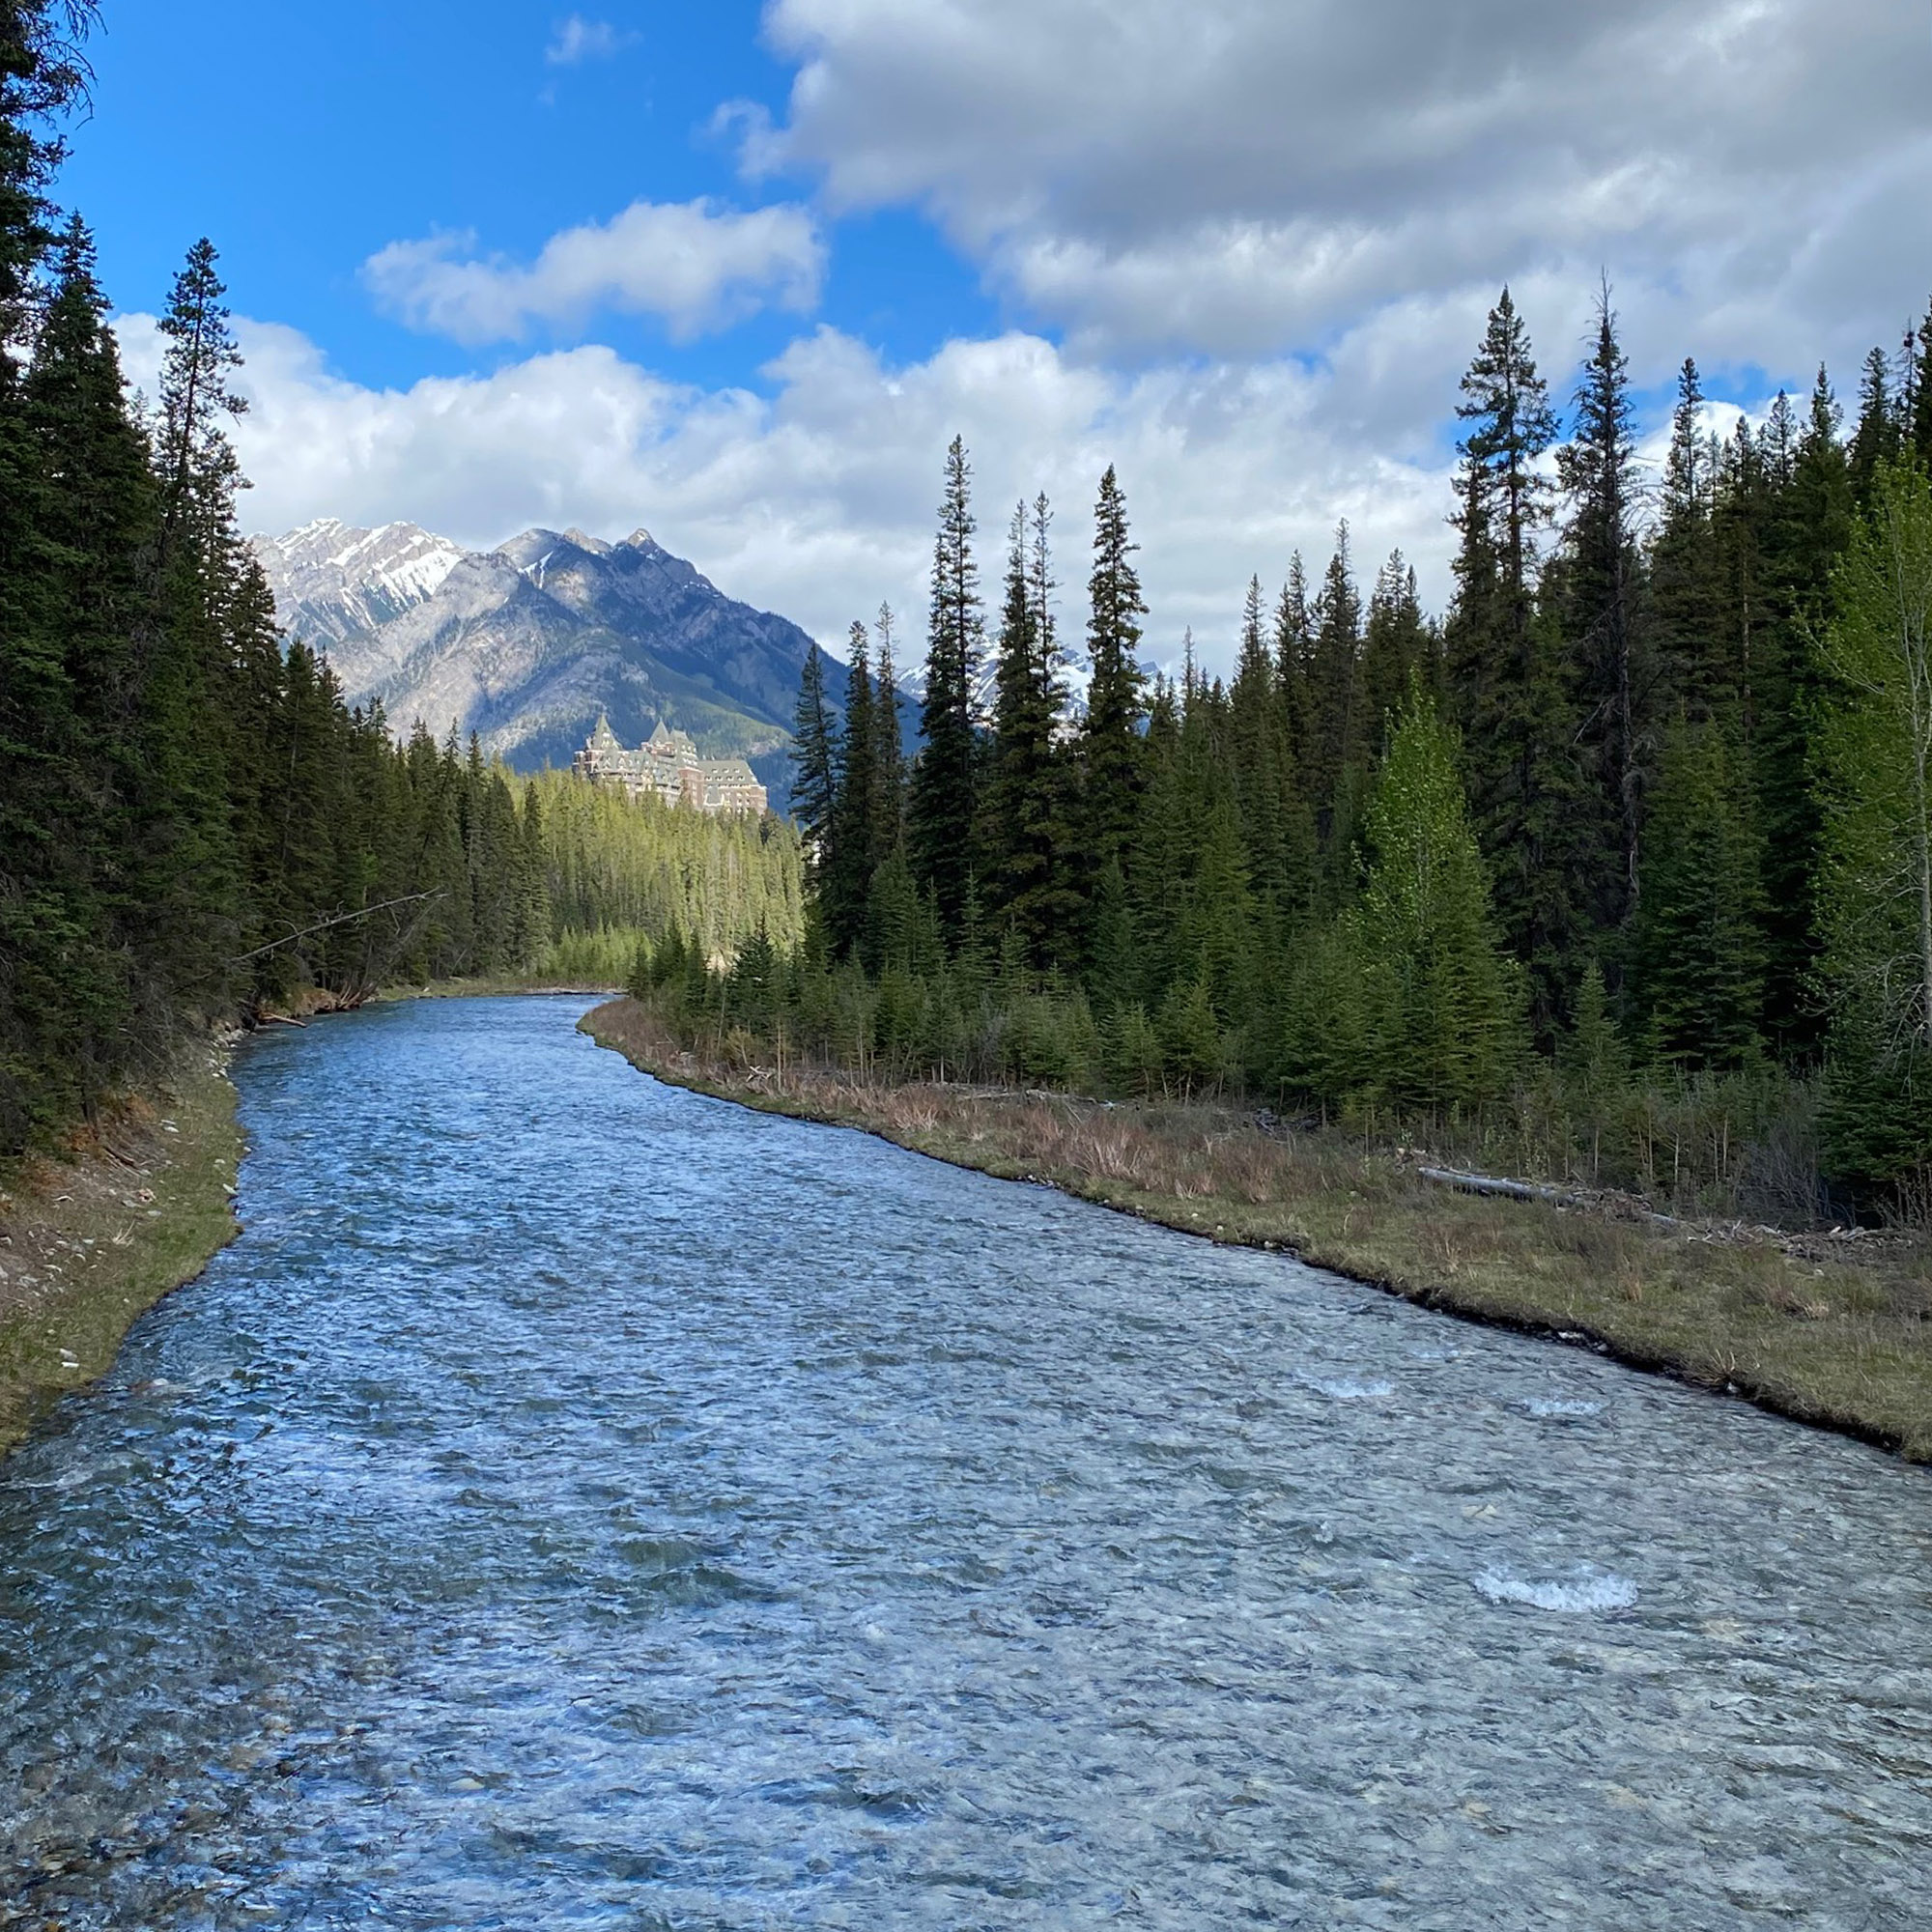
x: 193, y: 825
x: 1628, y: 859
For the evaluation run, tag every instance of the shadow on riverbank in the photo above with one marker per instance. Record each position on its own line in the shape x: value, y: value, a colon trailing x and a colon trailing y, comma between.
x: 93, y: 1238
x: 1796, y: 1324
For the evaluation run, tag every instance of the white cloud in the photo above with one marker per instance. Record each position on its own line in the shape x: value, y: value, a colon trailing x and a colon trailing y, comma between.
x: 578, y: 40
x: 695, y: 264
x: 818, y: 500
x: 1241, y: 177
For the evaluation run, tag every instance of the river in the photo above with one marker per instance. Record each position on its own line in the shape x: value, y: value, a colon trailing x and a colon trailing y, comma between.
x: 576, y: 1503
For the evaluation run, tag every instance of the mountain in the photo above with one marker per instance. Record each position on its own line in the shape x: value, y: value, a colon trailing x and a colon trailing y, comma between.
x: 337, y: 586
x: 528, y: 643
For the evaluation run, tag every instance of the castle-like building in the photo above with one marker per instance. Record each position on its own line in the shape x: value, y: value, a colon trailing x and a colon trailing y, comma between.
x: 666, y: 766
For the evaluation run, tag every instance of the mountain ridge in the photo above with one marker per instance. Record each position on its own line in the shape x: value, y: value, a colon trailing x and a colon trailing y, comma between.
x: 524, y: 645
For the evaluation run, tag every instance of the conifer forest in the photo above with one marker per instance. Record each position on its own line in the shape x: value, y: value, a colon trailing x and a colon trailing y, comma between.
x: 1619, y: 869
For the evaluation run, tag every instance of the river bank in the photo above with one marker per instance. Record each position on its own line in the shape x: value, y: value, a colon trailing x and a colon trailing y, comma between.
x: 90, y: 1241
x: 1833, y: 1332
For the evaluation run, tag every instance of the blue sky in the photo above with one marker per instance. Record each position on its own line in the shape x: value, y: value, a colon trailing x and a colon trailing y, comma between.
x: 737, y: 272
x: 364, y: 122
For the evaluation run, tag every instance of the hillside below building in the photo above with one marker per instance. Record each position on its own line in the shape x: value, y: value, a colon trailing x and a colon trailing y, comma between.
x: 666, y: 766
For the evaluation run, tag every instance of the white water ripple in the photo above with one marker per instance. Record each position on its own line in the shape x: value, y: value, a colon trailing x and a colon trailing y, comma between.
x: 1585, y: 1588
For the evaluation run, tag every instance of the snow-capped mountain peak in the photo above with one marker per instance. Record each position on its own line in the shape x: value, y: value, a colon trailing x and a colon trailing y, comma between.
x: 334, y: 583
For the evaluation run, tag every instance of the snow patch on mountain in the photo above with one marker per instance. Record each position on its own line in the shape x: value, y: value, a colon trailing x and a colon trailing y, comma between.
x: 333, y: 582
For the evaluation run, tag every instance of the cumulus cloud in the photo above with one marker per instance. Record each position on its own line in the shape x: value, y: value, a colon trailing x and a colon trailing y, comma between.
x: 817, y: 499
x: 696, y: 264
x: 1239, y: 177
x: 576, y: 40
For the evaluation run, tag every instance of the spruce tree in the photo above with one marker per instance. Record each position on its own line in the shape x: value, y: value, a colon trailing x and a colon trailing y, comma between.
x: 1599, y: 582
x: 814, y: 757
x: 1439, y: 998
x: 943, y: 805
x: 1293, y: 658
x: 1265, y: 792
x: 1916, y: 417
x: 1874, y: 763
x: 1025, y: 838
x: 1110, y: 738
x: 1334, y: 758
x: 1809, y: 521
x: 1398, y: 647
x: 852, y: 853
x: 887, y: 752
x: 1877, y: 437
x: 1504, y: 666
x: 1697, y: 974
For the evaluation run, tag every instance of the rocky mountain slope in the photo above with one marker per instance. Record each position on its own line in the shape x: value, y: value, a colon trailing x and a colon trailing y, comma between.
x: 526, y: 643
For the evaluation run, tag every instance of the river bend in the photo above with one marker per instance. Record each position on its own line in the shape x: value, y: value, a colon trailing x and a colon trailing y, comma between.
x: 576, y: 1503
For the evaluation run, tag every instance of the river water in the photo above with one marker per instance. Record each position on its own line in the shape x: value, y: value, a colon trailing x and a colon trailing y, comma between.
x: 576, y: 1503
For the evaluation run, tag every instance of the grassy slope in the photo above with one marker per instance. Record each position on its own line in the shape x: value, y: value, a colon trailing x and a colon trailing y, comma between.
x: 90, y: 1243
x: 1794, y: 1326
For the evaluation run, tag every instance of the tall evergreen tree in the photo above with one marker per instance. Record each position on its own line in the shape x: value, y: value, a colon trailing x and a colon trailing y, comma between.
x: 889, y: 810
x: 1334, y: 760
x: 1274, y: 828
x: 1110, y: 738
x: 1293, y: 662
x: 1398, y: 647
x: 814, y: 757
x: 1874, y: 761
x: 1026, y: 838
x: 1877, y: 437
x: 1599, y: 584
x: 1442, y: 1001
x: 852, y: 851
x: 944, y: 800
x: 1810, y: 522
x: 1697, y: 974
x: 1916, y: 415
x: 1504, y: 666
x: 1685, y: 592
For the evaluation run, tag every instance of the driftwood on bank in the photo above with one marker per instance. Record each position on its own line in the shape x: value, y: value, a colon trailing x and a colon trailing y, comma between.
x: 1522, y: 1190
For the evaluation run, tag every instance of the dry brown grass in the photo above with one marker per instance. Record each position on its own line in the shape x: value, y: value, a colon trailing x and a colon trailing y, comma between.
x: 1839, y: 1335
x: 88, y: 1241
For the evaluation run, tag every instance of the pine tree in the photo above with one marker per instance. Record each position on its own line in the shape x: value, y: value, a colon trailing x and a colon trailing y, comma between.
x: 1265, y: 792
x: 1442, y: 1001
x: 1334, y: 757
x: 1686, y: 582
x: 1809, y: 524
x: 1398, y: 647
x: 1600, y: 619
x: 73, y: 680
x: 1026, y: 837
x: 1916, y: 415
x: 814, y: 757
x: 1697, y: 974
x: 1294, y: 659
x: 1110, y: 739
x: 1875, y: 881
x: 1877, y: 437
x: 943, y: 806
x: 45, y: 904
x: 1504, y: 667
x: 196, y: 913
x: 888, y: 759
x: 852, y: 854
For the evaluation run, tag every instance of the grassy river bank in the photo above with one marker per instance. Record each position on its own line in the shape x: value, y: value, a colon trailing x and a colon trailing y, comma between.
x: 93, y: 1237
x: 1824, y: 1330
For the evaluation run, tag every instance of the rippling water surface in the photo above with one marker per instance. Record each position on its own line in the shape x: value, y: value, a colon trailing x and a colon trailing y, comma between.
x: 578, y: 1503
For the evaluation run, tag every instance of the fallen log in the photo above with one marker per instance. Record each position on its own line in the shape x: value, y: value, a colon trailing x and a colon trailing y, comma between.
x: 1526, y: 1190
